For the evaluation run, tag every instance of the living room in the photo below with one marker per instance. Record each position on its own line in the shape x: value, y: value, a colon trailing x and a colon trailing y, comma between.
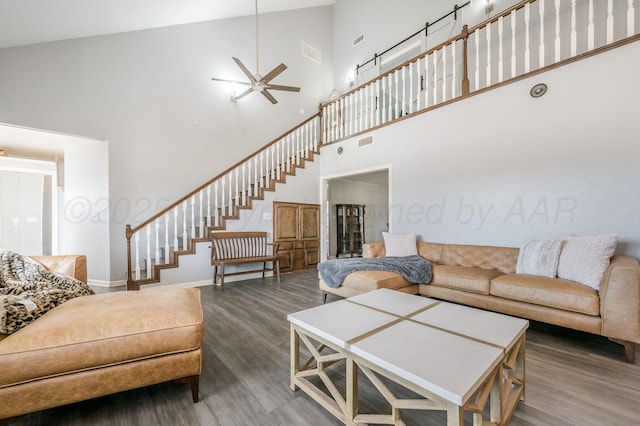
x: 495, y: 169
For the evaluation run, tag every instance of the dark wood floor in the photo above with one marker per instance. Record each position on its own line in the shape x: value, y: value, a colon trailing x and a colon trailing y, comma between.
x: 572, y: 378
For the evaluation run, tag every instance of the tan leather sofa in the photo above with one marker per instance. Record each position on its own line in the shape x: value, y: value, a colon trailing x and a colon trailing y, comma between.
x: 484, y: 277
x: 96, y: 345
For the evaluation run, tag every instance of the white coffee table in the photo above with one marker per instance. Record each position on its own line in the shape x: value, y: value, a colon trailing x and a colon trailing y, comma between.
x: 457, y: 358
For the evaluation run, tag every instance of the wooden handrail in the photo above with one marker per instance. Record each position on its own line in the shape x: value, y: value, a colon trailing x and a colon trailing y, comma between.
x: 130, y: 231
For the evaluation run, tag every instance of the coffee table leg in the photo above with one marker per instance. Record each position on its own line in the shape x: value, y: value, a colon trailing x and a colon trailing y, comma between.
x: 495, y: 399
x: 352, y: 388
x: 295, y: 356
x: 455, y: 416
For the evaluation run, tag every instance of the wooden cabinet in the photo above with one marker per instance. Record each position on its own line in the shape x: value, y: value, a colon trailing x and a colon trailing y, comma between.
x: 350, y: 228
x: 296, y: 229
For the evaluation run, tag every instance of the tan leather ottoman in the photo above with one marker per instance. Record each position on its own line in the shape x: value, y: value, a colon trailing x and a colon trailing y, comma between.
x: 97, y: 345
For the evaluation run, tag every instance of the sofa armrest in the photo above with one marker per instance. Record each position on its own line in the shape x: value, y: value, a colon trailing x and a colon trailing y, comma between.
x: 373, y: 250
x: 620, y: 299
x: 74, y: 265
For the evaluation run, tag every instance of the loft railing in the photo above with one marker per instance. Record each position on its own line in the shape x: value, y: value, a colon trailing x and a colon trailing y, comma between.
x: 178, y: 226
x: 528, y: 37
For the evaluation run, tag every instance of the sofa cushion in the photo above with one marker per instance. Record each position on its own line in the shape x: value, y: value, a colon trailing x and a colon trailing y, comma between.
x: 400, y: 245
x: 476, y: 280
x: 552, y: 292
x: 364, y: 281
x: 539, y: 257
x: 585, y: 258
x: 103, y: 330
x: 487, y: 257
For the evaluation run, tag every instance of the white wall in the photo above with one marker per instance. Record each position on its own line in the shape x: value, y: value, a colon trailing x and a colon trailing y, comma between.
x: 149, y: 93
x: 503, y: 167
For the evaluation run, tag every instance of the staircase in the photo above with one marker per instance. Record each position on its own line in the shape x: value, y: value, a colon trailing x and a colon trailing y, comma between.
x: 527, y: 39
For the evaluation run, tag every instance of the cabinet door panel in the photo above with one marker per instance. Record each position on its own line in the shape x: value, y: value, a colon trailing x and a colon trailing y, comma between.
x: 285, y: 221
x: 309, y: 222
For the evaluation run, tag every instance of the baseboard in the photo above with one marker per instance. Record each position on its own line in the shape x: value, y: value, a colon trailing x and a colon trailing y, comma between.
x: 209, y: 282
x: 107, y: 284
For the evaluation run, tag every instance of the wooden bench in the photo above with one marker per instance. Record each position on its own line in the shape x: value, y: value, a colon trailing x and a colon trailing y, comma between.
x: 238, y: 248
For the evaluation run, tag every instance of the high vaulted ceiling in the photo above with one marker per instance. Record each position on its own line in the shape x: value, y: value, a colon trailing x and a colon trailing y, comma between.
x: 24, y: 22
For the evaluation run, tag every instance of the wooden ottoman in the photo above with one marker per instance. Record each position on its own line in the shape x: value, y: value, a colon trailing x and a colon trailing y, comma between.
x: 97, y: 345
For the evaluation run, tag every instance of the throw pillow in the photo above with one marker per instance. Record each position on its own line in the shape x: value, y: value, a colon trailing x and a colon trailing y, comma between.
x: 400, y: 245
x: 585, y: 258
x: 539, y: 258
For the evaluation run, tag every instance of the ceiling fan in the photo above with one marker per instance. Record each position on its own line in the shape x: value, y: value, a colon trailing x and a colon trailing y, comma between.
x: 259, y: 83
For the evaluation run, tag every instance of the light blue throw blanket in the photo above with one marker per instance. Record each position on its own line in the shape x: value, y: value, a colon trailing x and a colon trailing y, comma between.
x: 414, y: 269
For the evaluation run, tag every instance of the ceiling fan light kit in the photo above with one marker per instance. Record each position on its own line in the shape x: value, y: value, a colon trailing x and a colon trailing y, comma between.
x: 257, y: 82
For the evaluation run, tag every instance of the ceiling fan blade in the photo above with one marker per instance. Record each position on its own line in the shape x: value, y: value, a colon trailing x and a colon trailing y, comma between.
x: 245, y: 93
x: 244, y: 69
x: 273, y: 73
x: 279, y: 87
x: 269, y: 96
x: 230, y: 81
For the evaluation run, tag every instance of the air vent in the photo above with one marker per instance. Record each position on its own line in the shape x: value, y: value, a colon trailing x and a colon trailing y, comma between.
x: 311, y: 53
x: 358, y: 40
x: 365, y: 141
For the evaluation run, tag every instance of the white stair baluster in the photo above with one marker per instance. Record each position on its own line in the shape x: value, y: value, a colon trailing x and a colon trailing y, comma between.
x: 541, y: 52
x: 488, y: 71
x: 264, y: 163
x: 216, y: 216
x: 223, y: 194
x: 256, y: 183
x: 166, y: 238
x: 148, y: 228
x: 527, y: 52
x: 289, y: 152
x: 193, y: 216
x: 514, y: 25
x: 500, y: 50
x: 201, y: 216
x: 277, y: 163
x: 208, y: 205
x: 237, y: 194
x: 574, y: 34
x: 157, y: 253
x: 631, y: 13
x: 244, y: 184
x: 184, y: 225
x: 591, y: 35
x: 137, y: 245
x: 610, y: 22
x: 315, y: 134
x: 230, y: 195
x: 557, y: 53
x: 175, y: 229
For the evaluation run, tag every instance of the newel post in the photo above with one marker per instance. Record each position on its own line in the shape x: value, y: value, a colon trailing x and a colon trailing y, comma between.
x: 465, y: 61
x: 128, y: 234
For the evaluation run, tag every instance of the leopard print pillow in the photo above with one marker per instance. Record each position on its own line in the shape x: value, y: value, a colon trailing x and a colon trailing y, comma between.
x: 28, y: 290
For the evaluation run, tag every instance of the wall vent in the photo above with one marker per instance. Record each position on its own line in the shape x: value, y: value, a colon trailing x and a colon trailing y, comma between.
x: 365, y: 141
x: 358, y: 40
x: 311, y: 53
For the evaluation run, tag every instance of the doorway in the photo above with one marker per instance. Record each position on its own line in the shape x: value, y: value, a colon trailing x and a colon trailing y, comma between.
x: 368, y: 189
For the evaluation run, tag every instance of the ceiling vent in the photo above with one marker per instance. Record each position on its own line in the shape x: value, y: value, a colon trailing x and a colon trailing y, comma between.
x: 358, y: 40
x: 365, y: 141
x: 311, y: 53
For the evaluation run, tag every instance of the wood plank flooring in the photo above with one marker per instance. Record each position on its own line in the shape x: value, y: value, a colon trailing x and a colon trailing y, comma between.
x: 573, y: 378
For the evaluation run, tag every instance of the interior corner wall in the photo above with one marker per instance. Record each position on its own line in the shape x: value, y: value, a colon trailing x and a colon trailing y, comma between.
x: 149, y: 93
x: 503, y: 167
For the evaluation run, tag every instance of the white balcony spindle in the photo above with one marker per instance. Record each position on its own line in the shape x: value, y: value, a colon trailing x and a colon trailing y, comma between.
x: 610, y: 22
x: 148, y: 265
x: 500, y: 50
x: 454, y: 68
x: 514, y: 25
x: 631, y: 13
x: 137, y: 251
x: 541, y: 52
x: 527, y: 37
x: 591, y: 33
x: 410, y: 87
x: 420, y: 83
x: 404, y: 91
x: 557, y: 53
x: 390, y: 106
x: 477, y: 71
x: 426, y: 81
x: 157, y: 246
x: 444, y: 72
x: 397, y: 78
x: 378, y: 95
x: 166, y: 238
x: 574, y: 33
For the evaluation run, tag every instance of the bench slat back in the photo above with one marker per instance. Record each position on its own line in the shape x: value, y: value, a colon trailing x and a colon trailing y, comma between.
x: 238, y: 245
